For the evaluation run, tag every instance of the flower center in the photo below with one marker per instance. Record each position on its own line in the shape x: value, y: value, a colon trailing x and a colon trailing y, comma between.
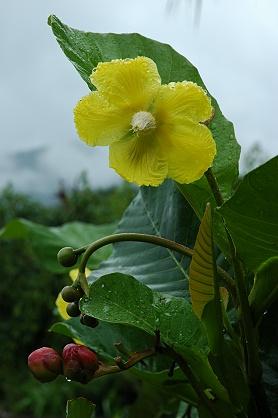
x: 142, y: 122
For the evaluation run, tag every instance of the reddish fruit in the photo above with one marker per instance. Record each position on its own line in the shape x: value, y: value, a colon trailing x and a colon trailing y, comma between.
x: 45, y: 364
x: 80, y: 363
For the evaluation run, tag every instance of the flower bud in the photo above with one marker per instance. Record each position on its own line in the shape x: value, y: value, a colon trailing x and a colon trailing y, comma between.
x: 67, y: 257
x: 73, y: 309
x: 45, y: 364
x: 89, y: 321
x: 71, y: 294
x: 80, y: 363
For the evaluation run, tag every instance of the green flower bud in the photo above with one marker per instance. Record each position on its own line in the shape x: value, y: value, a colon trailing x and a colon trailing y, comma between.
x: 73, y: 309
x: 71, y: 293
x: 67, y: 257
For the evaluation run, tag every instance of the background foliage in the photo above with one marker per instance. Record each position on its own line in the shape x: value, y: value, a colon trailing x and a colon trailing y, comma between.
x: 29, y: 291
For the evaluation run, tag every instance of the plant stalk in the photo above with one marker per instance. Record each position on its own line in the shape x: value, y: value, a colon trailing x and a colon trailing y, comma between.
x: 129, y: 236
x: 195, y: 383
x: 253, y: 364
x: 88, y: 250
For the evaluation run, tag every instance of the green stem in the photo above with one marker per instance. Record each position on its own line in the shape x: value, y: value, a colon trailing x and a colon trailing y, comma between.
x: 129, y: 236
x: 214, y: 187
x: 88, y: 250
x: 195, y: 383
x: 254, y: 369
x: 253, y: 364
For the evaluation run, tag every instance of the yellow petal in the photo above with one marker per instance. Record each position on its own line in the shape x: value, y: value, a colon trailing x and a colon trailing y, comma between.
x: 139, y: 160
x: 178, y: 100
x: 131, y: 83
x: 62, y: 306
x: 190, y: 149
x: 74, y: 273
x: 99, y: 123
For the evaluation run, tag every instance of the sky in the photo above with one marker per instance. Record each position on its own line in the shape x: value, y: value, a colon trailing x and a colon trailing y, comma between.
x: 233, y: 43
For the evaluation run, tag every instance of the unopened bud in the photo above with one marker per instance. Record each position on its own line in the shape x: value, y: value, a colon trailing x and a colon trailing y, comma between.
x: 89, y: 321
x: 45, y: 364
x: 80, y: 363
x: 71, y: 294
x: 73, y: 309
x: 67, y: 257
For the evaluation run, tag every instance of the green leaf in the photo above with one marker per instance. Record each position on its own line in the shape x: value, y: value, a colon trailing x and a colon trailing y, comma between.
x: 201, y: 271
x: 161, y: 269
x: 102, y: 338
x: 47, y: 241
x: 269, y: 355
x: 229, y: 367
x: 85, y: 50
x: 80, y: 408
x: 251, y: 215
x: 118, y: 298
x: 200, y: 365
x: 177, y: 323
x: 265, y: 289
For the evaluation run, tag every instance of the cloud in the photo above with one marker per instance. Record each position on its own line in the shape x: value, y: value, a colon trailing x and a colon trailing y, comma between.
x: 30, y: 160
x: 233, y: 47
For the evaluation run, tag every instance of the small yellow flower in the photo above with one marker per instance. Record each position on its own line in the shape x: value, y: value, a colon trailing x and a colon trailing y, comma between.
x: 154, y: 131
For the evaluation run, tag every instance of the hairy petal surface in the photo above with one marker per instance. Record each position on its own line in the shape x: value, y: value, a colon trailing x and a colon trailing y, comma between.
x: 140, y: 160
x: 128, y: 83
x: 190, y: 149
x: 175, y: 101
x: 99, y: 123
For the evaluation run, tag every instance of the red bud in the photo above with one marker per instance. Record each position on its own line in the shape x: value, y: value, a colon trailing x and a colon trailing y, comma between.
x: 80, y: 363
x: 45, y: 364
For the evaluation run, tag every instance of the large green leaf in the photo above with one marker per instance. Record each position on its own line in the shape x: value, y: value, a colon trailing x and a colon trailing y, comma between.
x: 85, y: 50
x: 121, y: 299
x: 80, y: 408
x: 269, y: 355
x: 164, y: 212
x: 252, y: 215
x: 265, y: 289
x: 47, y: 241
x: 118, y: 298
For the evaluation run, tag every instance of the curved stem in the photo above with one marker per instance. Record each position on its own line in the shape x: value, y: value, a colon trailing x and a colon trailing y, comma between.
x: 152, y: 239
x: 130, y: 236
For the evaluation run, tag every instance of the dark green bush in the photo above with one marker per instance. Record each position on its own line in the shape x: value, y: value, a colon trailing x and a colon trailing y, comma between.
x: 28, y: 292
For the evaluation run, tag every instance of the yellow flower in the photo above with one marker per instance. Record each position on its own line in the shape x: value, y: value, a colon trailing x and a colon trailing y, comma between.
x: 154, y: 131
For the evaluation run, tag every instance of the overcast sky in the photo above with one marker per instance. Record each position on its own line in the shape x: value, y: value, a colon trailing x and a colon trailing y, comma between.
x: 234, y: 47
